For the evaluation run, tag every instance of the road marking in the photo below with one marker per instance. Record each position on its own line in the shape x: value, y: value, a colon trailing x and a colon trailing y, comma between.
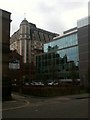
x: 27, y: 103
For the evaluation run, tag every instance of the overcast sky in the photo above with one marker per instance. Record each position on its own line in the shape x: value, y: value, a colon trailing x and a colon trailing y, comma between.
x: 52, y: 15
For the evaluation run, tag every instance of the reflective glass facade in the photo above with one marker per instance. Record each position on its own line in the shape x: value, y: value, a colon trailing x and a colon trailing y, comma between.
x: 61, y: 43
x: 71, y: 53
x: 60, y: 60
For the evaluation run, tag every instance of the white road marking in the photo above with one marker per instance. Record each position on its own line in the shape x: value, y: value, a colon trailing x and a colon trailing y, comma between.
x: 27, y: 103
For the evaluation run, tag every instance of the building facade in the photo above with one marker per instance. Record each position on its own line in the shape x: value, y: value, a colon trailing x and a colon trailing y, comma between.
x: 67, y: 56
x: 4, y: 53
x: 84, y: 52
x: 29, y: 40
x: 60, y: 59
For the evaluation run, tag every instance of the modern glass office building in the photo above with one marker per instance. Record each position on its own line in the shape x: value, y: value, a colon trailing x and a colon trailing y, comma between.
x: 60, y: 60
x: 67, y: 56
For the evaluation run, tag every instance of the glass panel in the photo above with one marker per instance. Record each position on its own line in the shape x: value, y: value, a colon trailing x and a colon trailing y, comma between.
x: 61, y: 43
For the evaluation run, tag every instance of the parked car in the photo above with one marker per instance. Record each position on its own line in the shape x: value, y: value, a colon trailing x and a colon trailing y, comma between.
x: 33, y: 83
x: 50, y: 83
x: 37, y: 83
x: 26, y: 84
x: 13, y: 84
x: 55, y: 83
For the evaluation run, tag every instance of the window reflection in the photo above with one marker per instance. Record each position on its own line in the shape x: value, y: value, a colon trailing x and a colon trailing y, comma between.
x: 64, y: 42
x: 59, y: 62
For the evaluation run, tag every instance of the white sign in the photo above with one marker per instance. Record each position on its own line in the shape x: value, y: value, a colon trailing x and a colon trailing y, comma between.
x: 14, y: 65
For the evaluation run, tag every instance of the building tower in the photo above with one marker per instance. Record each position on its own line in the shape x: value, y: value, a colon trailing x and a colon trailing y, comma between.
x: 28, y: 41
x: 25, y: 42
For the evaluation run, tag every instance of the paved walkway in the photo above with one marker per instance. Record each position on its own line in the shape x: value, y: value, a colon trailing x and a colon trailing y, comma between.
x: 79, y: 96
x: 20, y: 101
x: 17, y: 102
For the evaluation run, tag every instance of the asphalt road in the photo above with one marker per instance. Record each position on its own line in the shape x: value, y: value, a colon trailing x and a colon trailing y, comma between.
x: 51, y: 108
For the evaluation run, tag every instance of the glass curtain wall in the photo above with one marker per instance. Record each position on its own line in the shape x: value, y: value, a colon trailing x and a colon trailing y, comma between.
x: 60, y: 60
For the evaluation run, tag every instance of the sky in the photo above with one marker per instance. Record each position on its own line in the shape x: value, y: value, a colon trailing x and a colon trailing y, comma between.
x: 52, y: 15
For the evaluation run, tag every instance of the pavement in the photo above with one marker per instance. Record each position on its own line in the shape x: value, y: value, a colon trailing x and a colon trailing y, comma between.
x: 20, y: 101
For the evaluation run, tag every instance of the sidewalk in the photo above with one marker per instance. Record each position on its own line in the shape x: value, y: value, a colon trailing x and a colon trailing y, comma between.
x: 17, y: 102
x: 79, y: 96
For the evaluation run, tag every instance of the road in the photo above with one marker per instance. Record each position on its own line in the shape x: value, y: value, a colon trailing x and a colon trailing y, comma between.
x: 59, y: 107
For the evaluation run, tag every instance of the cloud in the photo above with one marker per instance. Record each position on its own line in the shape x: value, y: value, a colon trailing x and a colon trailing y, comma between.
x: 58, y: 16
x: 52, y: 15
